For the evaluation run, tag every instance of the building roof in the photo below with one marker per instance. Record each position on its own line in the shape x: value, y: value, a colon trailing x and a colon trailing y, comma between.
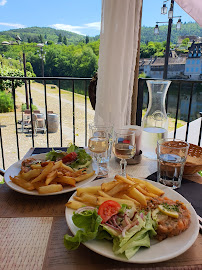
x: 171, y: 61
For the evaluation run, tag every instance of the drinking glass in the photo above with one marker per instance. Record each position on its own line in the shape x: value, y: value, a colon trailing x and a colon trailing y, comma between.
x: 93, y: 128
x: 171, y: 158
x: 124, y: 147
x: 98, y: 143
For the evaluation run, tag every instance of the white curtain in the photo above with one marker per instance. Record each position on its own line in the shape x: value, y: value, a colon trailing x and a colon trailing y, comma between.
x: 193, y: 8
x: 117, y: 59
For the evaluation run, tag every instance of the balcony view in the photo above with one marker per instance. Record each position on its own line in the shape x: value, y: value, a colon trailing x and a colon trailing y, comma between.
x: 105, y: 90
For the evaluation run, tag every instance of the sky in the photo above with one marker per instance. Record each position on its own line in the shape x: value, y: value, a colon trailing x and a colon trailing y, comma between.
x: 78, y: 16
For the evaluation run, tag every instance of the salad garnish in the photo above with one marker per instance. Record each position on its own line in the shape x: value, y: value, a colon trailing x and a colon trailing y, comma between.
x: 128, y: 229
x: 75, y: 157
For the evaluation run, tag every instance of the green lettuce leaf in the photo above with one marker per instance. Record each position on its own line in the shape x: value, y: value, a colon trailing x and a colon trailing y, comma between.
x: 83, y: 159
x: 54, y: 154
x: 89, y: 222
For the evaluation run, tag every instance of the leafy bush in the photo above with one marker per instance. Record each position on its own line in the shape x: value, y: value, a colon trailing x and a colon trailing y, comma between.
x: 6, y: 102
x: 7, y: 71
x: 24, y: 107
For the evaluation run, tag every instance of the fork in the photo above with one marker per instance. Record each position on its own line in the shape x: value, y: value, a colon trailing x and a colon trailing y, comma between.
x: 200, y: 223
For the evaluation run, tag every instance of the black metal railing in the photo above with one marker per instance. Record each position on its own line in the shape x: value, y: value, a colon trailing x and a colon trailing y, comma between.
x: 57, y: 80
x: 177, y: 88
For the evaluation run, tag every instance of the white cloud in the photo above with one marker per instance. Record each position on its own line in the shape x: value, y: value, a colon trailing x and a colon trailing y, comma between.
x: 14, y: 25
x: 76, y: 29
x: 67, y: 27
x: 3, y: 2
x: 94, y: 25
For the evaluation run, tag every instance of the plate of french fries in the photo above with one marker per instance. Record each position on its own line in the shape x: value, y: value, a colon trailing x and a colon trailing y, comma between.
x: 134, y: 192
x: 52, y: 179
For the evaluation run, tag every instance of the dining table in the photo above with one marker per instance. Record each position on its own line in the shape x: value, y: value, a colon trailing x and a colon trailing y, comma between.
x: 32, y: 228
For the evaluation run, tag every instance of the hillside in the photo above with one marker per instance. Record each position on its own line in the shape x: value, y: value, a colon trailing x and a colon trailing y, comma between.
x: 33, y: 34
x: 188, y: 29
x: 47, y: 33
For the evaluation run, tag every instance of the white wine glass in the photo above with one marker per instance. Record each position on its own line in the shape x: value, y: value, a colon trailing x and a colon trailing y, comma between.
x: 124, y: 147
x: 99, y: 144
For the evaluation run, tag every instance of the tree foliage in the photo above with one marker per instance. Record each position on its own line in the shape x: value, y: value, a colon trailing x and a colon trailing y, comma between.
x: 10, y: 72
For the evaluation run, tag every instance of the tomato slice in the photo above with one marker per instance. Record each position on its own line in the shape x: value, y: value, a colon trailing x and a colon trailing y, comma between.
x: 69, y: 157
x: 108, y: 209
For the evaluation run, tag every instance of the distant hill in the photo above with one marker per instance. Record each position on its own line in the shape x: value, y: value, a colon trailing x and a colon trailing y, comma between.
x: 33, y: 34
x: 188, y: 29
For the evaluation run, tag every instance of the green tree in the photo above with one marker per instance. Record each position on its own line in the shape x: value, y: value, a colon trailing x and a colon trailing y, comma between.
x: 65, y: 40
x: 87, y: 39
x: 41, y: 39
x: 60, y: 38
x: 185, y: 41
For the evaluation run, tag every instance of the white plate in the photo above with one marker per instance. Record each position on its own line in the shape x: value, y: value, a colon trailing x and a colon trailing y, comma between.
x: 16, y: 167
x: 159, y: 251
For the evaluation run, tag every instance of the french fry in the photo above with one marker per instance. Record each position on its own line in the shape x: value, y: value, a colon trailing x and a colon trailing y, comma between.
x: 92, y: 190
x: 143, y: 191
x: 39, y: 184
x: 74, y: 205
x: 88, y: 198
x: 67, y: 167
x: 116, y: 189
x: 138, y: 196
x: 66, y: 180
x: 31, y: 174
x: 131, y: 199
x: 79, y: 172
x: 151, y: 188
x: 123, y: 179
x: 84, y: 176
x: 100, y: 200
x: 50, y: 177
x: 57, y: 165
x: 44, y: 173
x: 22, y: 183
x: 109, y: 185
x: 103, y: 194
x: 50, y: 188
x: 36, y: 166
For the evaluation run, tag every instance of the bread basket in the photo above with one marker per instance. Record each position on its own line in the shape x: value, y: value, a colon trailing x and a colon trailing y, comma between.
x: 194, y: 160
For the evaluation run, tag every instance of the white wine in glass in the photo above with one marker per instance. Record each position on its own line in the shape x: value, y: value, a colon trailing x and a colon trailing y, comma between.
x: 124, y: 147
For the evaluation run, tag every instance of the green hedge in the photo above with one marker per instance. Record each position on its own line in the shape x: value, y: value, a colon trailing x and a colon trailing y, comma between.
x: 6, y: 102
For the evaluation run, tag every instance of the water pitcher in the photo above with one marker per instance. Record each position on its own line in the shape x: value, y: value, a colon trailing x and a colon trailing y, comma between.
x: 155, y: 121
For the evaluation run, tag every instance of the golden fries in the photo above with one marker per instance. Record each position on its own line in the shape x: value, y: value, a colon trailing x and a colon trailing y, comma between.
x: 84, y: 176
x: 124, y: 190
x: 22, y: 183
x: 50, y: 189
x: 49, y: 177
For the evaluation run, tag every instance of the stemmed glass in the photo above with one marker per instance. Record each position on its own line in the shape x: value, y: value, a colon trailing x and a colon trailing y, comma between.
x: 98, y: 143
x: 124, y: 147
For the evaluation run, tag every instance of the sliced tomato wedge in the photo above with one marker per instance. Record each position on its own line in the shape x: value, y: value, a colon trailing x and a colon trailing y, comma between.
x: 108, y: 209
x: 69, y: 157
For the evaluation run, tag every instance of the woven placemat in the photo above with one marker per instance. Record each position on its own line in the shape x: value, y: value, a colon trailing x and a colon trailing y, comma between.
x: 23, y: 242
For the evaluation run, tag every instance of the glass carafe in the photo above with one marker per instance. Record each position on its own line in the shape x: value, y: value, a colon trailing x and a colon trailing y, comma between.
x: 155, y: 121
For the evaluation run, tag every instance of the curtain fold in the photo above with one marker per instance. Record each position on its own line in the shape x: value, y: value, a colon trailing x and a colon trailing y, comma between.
x: 193, y: 8
x: 117, y: 59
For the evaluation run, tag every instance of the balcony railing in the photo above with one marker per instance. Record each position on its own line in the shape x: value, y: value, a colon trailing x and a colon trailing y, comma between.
x: 188, y: 89
x: 58, y: 81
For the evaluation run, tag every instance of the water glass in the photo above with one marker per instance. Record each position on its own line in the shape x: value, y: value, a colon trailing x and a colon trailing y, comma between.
x: 93, y: 129
x: 171, y: 158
